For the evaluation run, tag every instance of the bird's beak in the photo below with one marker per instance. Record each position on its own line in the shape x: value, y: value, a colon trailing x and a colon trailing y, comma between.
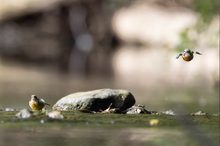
x: 198, y: 53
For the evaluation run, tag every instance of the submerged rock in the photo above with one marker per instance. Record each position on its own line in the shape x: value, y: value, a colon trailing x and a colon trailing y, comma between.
x: 24, y: 114
x: 96, y: 100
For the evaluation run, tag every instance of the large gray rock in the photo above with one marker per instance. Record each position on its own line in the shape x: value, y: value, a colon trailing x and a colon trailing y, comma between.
x: 96, y: 100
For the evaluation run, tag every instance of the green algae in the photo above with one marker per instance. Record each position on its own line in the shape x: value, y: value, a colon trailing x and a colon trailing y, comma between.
x: 108, y: 129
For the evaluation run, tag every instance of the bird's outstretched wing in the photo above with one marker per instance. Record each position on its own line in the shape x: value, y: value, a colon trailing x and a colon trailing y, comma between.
x: 43, y: 101
x: 180, y: 54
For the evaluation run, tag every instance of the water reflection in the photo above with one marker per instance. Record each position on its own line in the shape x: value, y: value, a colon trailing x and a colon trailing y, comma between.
x: 86, y: 137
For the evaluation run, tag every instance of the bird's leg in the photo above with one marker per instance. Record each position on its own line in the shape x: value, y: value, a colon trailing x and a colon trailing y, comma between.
x: 179, y: 55
x: 47, y: 104
x: 108, y: 110
x: 198, y: 53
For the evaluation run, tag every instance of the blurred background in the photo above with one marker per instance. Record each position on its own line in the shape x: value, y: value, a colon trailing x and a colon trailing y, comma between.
x: 54, y: 48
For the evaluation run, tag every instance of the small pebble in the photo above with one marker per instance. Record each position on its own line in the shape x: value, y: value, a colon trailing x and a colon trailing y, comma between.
x: 139, y: 109
x: 169, y: 112
x: 42, y: 121
x: 8, y: 109
x: 55, y: 115
x: 112, y: 122
x: 154, y: 122
x: 199, y: 113
x: 24, y: 114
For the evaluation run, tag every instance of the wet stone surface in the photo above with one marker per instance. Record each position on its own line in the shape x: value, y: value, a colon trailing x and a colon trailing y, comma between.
x: 96, y: 100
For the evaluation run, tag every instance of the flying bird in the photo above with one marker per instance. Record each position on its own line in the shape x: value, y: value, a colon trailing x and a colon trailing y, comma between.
x: 187, y: 55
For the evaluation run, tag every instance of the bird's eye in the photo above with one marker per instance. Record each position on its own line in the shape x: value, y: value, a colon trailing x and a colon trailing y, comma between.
x: 33, y: 96
x: 187, y: 50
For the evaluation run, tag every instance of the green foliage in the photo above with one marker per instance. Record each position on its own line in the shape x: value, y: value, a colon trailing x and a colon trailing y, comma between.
x: 207, y: 9
x: 186, y: 41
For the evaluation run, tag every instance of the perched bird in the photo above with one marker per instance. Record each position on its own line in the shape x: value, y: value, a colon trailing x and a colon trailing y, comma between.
x: 36, y: 103
x: 187, y: 55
